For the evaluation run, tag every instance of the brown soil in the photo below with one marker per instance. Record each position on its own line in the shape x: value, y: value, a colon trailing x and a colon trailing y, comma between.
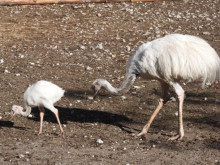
x: 71, y: 45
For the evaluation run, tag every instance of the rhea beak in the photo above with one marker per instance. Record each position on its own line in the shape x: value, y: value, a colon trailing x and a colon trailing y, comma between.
x: 95, y: 94
x: 94, y: 91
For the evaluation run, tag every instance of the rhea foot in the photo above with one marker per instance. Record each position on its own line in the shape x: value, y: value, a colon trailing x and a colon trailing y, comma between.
x: 143, y: 132
x: 177, y: 137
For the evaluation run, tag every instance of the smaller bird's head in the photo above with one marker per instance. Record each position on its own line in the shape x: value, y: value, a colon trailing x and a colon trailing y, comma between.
x: 97, y: 85
x: 16, y: 109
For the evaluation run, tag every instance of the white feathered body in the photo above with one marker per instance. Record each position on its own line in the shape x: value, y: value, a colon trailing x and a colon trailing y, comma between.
x: 176, y: 57
x: 41, y: 92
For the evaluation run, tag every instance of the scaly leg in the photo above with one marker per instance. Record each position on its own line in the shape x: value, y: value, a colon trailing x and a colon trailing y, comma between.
x: 50, y: 106
x: 41, y: 119
x: 58, y: 120
x: 163, y: 100
x: 147, y: 126
x: 180, y: 92
x: 180, y: 116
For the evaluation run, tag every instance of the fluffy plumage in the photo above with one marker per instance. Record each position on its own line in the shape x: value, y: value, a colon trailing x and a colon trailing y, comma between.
x: 171, y: 59
x: 41, y: 94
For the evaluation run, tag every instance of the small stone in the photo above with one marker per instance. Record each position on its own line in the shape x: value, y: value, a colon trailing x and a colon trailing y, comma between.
x: 90, y: 98
x: 176, y: 114
x: 99, y: 15
x: 128, y: 48
x: 99, y: 141
x: 137, y: 87
x: 21, y: 156
x: 99, y: 46
x: 6, y: 71
x: 1, y: 61
x: 123, y: 97
x: 206, y: 33
x: 88, y: 68
x: 20, y: 55
x: 30, y: 116
x: 82, y: 47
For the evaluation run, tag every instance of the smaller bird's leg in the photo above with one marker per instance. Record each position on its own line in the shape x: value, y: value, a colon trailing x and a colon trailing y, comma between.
x: 41, y: 119
x: 180, y: 121
x: 58, y: 120
x: 147, y: 126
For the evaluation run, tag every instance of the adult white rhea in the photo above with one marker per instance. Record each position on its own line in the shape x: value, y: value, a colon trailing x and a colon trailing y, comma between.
x: 171, y: 59
x: 41, y: 94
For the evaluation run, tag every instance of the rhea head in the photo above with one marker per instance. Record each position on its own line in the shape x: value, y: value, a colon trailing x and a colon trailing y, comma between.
x: 97, y: 85
x: 16, y: 109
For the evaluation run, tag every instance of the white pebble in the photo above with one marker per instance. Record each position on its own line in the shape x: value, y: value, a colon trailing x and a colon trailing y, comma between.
x: 6, y: 71
x: 128, y: 48
x: 123, y: 97
x: 21, y: 156
x: 99, y: 141
x: 176, y: 113
x: 30, y: 115
x: 1, y: 61
x: 99, y: 46
x: 82, y: 47
x: 206, y: 33
x: 90, y: 98
x: 21, y: 56
x: 88, y: 68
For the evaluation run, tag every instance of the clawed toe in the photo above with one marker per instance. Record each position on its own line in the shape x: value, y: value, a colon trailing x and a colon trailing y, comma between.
x: 141, y: 133
x: 177, y: 137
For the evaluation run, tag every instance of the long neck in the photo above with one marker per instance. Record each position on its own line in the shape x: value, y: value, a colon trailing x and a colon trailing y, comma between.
x: 125, y: 87
x: 27, y: 112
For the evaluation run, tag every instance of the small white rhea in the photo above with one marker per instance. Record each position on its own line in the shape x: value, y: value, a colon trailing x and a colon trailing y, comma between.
x: 41, y: 94
x: 171, y: 60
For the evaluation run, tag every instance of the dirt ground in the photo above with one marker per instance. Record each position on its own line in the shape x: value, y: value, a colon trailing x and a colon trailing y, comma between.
x: 71, y: 45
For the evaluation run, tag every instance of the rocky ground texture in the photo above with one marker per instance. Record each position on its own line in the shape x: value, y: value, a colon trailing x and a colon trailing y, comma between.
x: 73, y: 44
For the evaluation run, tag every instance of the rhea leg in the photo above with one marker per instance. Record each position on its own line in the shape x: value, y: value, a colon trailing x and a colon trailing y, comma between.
x: 50, y: 106
x: 164, y: 98
x: 41, y: 119
x: 180, y: 92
